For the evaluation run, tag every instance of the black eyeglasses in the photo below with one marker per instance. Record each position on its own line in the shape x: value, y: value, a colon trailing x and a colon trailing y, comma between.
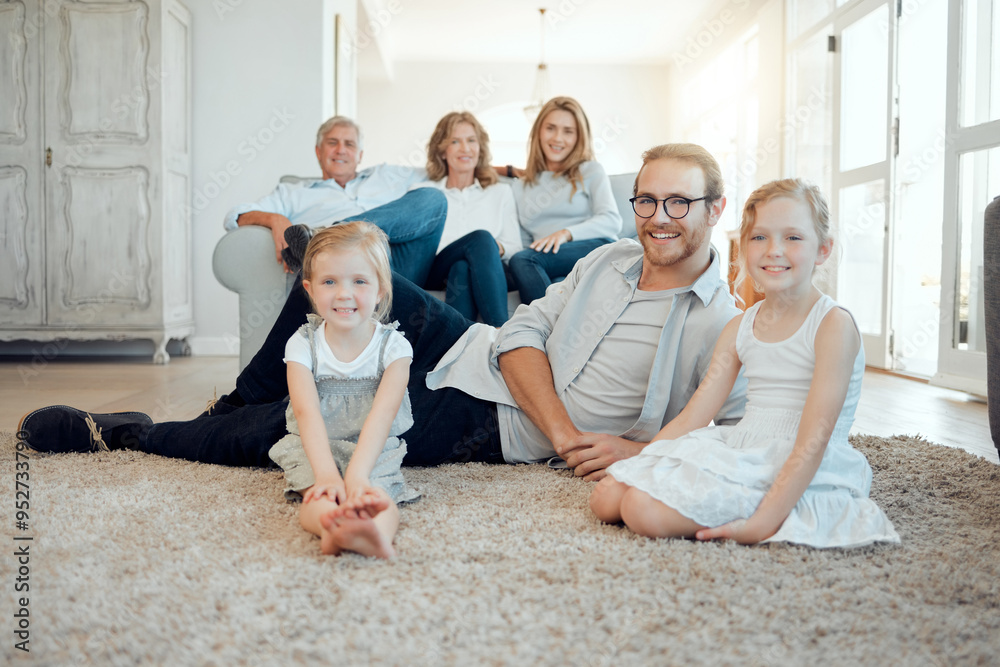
x: 675, y: 207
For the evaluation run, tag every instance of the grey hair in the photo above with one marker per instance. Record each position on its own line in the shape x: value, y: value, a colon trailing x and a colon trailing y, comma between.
x: 344, y: 121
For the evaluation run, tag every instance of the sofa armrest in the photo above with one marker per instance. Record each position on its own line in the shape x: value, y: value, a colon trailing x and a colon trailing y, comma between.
x: 244, y: 262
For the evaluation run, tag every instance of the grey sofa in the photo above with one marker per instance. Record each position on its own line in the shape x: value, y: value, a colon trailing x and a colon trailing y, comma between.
x: 244, y: 262
x: 991, y: 260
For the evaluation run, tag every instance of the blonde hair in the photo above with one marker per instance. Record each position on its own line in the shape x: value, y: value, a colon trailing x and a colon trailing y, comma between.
x: 791, y: 188
x: 715, y: 187
x: 582, y: 151
x: 437, y: 166
x: 361, y: 236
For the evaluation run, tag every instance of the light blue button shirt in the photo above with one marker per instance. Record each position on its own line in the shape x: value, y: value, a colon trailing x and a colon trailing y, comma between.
x: 319, y: 202
x: 573, y: 317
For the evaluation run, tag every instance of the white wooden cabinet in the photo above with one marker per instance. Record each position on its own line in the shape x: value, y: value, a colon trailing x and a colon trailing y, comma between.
x: 95, y: 167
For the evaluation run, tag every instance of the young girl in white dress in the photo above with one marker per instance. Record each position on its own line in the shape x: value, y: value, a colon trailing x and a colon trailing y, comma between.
x: 786, y: 472
x: 347, y: 375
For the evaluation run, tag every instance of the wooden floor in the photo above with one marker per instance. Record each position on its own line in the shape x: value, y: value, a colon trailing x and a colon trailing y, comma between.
x: 890, y: 404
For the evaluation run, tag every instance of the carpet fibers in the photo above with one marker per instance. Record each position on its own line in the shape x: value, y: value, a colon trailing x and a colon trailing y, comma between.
x: 137, y: 559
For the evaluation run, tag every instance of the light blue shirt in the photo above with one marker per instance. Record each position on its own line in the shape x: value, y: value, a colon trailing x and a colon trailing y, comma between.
x: 319, y: 202
x: 571, y: 320
x: 550, y: 204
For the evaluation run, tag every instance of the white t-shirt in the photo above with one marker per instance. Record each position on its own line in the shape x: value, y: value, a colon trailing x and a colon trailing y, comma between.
x: 365, y: 366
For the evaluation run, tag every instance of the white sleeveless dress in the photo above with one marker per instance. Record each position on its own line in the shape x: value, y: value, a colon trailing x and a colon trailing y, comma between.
x: 717, y: 474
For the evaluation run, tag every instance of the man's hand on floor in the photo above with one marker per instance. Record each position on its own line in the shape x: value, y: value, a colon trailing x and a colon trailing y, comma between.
x: 589, y: 454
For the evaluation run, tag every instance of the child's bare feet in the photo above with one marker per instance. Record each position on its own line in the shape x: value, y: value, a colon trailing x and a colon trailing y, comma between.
x: 327, y: 544
x: 370, y: 504
x: 373, y: 501
x: 349, y: 531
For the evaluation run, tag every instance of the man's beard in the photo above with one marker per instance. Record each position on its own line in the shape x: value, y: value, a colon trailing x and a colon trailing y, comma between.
x: 692, y: 242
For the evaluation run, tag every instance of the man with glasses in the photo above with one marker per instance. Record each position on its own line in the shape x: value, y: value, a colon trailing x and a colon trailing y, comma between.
x: 590, y: 372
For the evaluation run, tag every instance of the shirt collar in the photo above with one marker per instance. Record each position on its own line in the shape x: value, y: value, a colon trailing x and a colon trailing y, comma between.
x: 476, y: 185
x: 362, y: 175
x: 704, y: 287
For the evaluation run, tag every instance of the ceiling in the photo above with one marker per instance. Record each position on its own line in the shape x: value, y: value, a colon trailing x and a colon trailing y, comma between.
x: 576, y: 31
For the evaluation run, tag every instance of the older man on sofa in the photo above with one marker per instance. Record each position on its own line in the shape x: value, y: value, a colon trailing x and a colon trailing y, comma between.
x: 413, y: 220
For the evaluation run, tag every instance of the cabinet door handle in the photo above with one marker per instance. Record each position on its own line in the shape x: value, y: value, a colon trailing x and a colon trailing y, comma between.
x: 48, y: 157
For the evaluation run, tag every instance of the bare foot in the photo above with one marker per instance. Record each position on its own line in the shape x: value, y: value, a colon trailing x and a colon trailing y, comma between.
x: 371, y: 503
x: 350, y: 532
x: 327, y: 544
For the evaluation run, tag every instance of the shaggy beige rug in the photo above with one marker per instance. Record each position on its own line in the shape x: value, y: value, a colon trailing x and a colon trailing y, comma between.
x: 143, y: 560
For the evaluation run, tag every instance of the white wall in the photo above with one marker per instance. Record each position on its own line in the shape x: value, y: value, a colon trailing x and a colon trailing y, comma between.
x: 628, y: 106
x: 262, y: 84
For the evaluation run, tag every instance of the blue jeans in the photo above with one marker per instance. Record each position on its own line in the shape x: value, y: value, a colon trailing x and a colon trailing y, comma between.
x: 473, y: 277
x: 534, y: 271
x: 413, y: 223
x: 448, y: 425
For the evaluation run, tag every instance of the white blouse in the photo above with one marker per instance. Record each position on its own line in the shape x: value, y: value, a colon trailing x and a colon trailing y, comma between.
x: 475, y: 207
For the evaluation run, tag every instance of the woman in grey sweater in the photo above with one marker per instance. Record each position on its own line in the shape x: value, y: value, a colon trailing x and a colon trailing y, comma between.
x: 564, y: 200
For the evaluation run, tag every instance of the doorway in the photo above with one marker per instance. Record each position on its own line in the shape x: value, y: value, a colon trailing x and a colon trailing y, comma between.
x: 878, y: 150
x: 919, y: 187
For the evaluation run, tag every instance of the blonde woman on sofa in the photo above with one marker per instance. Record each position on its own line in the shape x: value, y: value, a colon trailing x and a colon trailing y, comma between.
x: 481, y: 231
x: 564, y: 199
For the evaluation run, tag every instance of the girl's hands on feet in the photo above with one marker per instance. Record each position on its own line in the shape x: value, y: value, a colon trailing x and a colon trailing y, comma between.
x: 358, y: 490
x: 333, y: 489
x: 362, y: 499
x: 352, y: 525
